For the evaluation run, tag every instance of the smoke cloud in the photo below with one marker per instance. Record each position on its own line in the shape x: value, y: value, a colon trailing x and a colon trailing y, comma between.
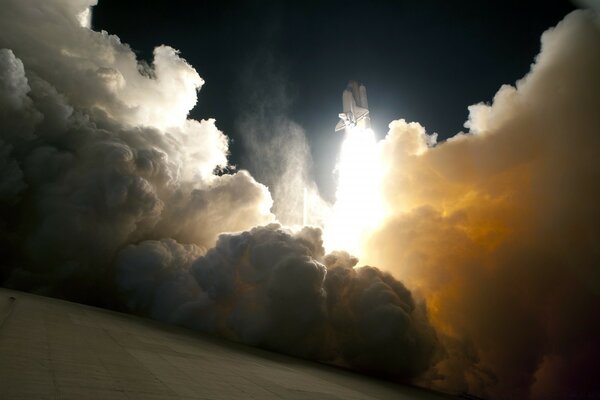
x: 98, y: 153
x: 498, y: 229
x: 276, y: 289
x: 111, y: 196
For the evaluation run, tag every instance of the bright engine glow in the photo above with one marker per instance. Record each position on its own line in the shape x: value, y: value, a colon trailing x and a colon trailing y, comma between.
x: 358, y: 208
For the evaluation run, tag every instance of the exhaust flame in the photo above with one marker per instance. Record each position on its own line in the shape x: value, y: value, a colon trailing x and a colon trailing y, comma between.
x: 358, y: 208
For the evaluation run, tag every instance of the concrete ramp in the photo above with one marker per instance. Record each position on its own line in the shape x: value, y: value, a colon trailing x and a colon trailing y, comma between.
x: 52, y: 349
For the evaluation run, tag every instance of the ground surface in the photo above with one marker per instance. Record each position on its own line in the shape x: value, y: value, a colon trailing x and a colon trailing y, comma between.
x: 52, y: 349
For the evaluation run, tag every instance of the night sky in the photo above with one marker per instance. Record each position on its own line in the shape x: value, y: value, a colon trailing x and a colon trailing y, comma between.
x: 424, y: 61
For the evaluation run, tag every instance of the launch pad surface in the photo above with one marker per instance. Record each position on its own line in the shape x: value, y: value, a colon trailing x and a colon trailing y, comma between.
x: 53, y: 349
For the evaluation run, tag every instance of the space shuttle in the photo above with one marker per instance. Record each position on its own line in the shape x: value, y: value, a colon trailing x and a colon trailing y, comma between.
x: 355, y: 107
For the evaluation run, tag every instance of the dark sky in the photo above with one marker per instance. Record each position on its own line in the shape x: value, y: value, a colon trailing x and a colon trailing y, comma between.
x: 424, y: 61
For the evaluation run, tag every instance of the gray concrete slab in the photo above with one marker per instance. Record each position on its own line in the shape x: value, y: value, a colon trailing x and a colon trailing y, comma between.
x: 53, y: 349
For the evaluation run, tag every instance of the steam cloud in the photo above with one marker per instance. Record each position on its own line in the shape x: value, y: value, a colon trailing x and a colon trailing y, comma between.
x: 108, y: 196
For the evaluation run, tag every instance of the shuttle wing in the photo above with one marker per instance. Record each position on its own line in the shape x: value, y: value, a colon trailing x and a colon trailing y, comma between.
x: 360, y: 113
x: 340, y: 125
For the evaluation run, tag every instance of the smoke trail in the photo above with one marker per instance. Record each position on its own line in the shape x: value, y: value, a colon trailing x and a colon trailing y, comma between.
x: 498, y: 229
x: 276, y: 151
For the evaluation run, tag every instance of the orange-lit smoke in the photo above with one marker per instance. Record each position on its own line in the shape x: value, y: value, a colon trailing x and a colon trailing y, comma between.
x: 498, y: 229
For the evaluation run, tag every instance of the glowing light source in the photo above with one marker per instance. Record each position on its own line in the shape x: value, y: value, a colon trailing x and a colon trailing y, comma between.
x: 359, y: 207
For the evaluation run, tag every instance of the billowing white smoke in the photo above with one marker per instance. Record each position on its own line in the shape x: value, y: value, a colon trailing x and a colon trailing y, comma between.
x: 98, y: 153
x: 108, y: 197
x: 97, y: 72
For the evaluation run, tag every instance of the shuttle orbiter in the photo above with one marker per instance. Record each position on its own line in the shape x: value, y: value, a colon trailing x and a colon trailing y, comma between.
x: 355, y: 107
